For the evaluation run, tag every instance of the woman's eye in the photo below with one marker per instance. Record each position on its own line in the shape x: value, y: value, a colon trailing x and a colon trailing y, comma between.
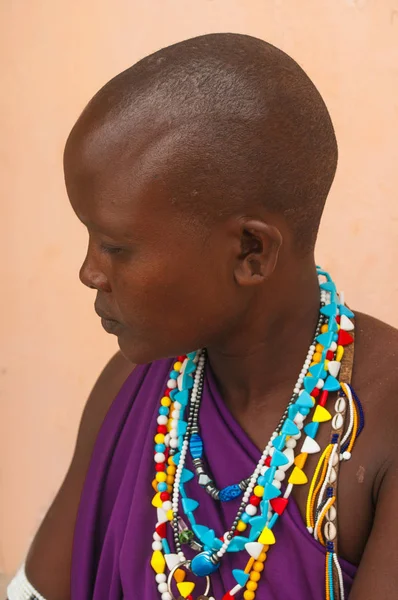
x: 111, y: 249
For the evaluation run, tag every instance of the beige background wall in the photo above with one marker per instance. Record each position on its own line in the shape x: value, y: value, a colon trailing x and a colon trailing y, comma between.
x: 54, y: 56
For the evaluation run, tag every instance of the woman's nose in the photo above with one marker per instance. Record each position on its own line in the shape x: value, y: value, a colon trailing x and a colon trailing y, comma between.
x: 92, y: 276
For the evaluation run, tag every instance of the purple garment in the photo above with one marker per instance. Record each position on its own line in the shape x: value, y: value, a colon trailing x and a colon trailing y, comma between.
x: 115, y: 524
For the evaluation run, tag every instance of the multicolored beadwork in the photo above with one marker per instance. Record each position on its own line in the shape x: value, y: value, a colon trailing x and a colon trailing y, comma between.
x: 263, y: 500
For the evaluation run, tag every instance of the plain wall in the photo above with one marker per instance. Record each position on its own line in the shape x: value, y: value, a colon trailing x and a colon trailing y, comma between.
x: 54, y: 56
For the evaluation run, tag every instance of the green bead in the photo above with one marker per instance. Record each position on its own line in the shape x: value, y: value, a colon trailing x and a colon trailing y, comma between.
x: 186, y: 536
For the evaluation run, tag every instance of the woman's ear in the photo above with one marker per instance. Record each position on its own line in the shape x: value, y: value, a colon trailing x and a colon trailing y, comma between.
x: 260, y: 244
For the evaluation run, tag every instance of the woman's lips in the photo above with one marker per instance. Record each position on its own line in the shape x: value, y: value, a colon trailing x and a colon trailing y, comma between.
x: 110, y: 326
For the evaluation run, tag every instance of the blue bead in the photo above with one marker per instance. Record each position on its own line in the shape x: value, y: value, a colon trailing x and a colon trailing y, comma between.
x: 237, y: 544
x: 273, y: 520
x: 173, y: 393
x: 174, y: 374
x: 162, y: 487
x: 196, y: 446
x: 181, y: 427
x: 305, y: 411
x: 189, y: 505
x: 331, y: 384
x: 333, y: 326
x: 190, y: 367
x: 279, y: 459
x: 245, y: 517
x: 186, y: 475
x: 279, y: 442
x: 311, y: 429
x: 325, y: 338
x: 318, y: 371
x: 330, y: 310
x: 241, y: 577
x: 187, y: 381
x: 292, y: 411
x: 208, y: 538
x: 230, y: 493
x: 202, y: 565
x: 305, y: 400
x: 160, y: 447
x: 166, y: 547
x: 200, y: 530
x: 181, y: 397
x: 346, y: 311
x: 269, y: 474
x: 270, y: 492
x: 163, y: 410
x: 176, y: 458
x: 289, y: 428
x: 329, y: 286
x: 309, y: 384
x: 191, y: 355
x: 261, y: 480
x: 257, y: 524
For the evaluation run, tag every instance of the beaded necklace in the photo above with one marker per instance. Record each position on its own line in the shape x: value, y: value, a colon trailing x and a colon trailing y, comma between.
x: 262, y: 490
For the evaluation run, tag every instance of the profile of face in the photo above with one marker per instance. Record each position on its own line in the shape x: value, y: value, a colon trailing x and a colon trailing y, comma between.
x: 163, y: 286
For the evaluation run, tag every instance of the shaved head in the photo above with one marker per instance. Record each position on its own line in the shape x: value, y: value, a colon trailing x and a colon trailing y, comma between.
x: 201, y: 174
x: 238, y: 126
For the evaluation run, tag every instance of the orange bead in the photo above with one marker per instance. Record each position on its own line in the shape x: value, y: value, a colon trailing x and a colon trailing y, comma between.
x: 170, y: 461
x: 171, y: 470
x: 170, y: 489
x: 248, y: 595
x: 252, y: 586
x: 324, y: 328
x: 262, y: 557
x: 317, y: 357
x: 255, y: 576
x: 170, y: 480
x: 258, y: 566
x: 319, y: 348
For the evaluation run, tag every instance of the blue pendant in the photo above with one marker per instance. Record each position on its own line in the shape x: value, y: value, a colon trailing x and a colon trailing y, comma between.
x: 186, y: 475
x: 271, y: 492
x: 292, y: 411
x: 187, y: 381
x: 330, y: 310
x: 318, y: 371
x: 182, y: 397
x: 190, y: 367
x: 230, y: 493
x: 181, y: 427
x: 257, y: 525
x: 309, y: 384
x: 202, y: 565
x: 189, y: 505
x: 346, y: 311
x: 325, y: 339
x: 279, y: 459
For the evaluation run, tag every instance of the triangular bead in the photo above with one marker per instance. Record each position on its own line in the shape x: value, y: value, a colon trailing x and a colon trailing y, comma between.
x: 199, y: 530
x: 305, y: 400
x: 189, y: 505
x: 172, y: 560
x: 190, y: 367
x: 267, y: 537
x: 311, y: 429
x: 181, y: 427
x: 161, y: 529
x: 346, y: 311
x: 270, y: 491
x: 279, y: 459
x: 334, y: 367
x: 208, y: 538
x: 321, y: 415
x: 156, y: 501
x: 300, y: 460
x: 186, y: 475
x: 331, y: 384
x: 328, y: 286
x: 289, y: 428
x: 298, y: 477
x: 237, y: 544
x: 325, y: 339
x: 158, y: 562
x: 258, y: 524
x: 254, y: 549
x: 333, y: 326
x: 292, y: 411
x: 179, y: 575
x: 310, y: 446
x: 329, y: 310
x: 344, y: 338
x: 279, y: 442
x: 240, y: 577
x: 182, y: 397
x: 318, y: 371
x: 185, y: 588
x: 309, y: 383
x: 279, y: 505
x: 162, y: 516
x: 176, y: 458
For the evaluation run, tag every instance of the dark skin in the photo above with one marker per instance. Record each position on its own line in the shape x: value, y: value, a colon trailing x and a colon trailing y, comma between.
x: 242, y: 291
